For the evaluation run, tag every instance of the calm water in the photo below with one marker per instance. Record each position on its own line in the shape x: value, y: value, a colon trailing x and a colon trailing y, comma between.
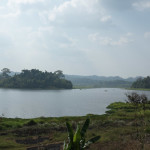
x: 55, y: 103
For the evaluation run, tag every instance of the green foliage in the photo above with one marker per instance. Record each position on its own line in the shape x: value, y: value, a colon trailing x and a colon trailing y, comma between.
x: 120, y: 106
x: 142, y: 83
x: 135, y: 102
x: 36, y: 79
x: 135, y: 98
x: 5, y: 73
x: 139, y: 101
x: 77, y: 140
x: 59, y: 73
x: 31, y: 123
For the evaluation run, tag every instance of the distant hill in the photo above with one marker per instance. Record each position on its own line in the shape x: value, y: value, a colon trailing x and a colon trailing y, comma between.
x: 100, y: 81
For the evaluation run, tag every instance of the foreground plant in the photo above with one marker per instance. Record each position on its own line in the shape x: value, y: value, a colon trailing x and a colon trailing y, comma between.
x: 77, y: 139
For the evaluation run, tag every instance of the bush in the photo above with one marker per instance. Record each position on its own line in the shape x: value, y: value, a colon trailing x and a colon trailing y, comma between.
x: 31, y: 123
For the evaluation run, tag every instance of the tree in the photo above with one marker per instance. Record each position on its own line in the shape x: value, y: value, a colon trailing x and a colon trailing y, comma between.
x: 135, y: 98
x: 77, y: 140
x: 5, y: 72
x: 59, y: 74
x: 142, y: 83
x: 35, y: 78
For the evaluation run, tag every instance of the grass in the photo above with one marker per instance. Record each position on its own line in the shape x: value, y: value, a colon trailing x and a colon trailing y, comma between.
x: 84, y: 87
x: 120, y: 127
x: 138, y: 89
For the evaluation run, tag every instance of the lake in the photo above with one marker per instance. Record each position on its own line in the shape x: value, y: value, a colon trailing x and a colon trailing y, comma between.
x: 56, y: 103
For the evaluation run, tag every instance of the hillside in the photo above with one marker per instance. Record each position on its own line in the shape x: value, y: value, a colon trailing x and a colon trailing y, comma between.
x: 100, y: 81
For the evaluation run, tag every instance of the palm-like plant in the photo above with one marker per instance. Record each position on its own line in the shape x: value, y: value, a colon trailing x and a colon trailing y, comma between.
x: 77, y: 139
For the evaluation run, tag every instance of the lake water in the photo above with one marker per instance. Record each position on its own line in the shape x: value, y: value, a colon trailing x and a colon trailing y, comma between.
x: 56, y: 103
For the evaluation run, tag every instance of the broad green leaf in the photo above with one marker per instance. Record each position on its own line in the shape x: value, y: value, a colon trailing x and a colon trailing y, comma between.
x: 93, y: 140
x: 70, y: 132
x: 76, y: 139
x: 84, y: 128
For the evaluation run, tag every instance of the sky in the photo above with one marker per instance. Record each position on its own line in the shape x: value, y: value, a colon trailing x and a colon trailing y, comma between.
x: 80, y: 37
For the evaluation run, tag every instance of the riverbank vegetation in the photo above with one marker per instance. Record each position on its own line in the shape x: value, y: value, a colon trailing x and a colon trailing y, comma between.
x: 138, y: 89
x: 141, y: 83
x: 125, y: 125
x: 34, y: 79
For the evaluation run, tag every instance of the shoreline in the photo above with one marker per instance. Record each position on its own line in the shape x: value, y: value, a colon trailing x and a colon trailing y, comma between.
x: 138, y: 89
x: 116, y: 124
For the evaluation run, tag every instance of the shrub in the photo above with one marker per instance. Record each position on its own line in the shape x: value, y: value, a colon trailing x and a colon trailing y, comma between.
x: 31, y: 123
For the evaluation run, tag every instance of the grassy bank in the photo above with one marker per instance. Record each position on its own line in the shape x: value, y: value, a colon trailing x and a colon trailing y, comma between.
x: 124, y: 126
x: 138, y: 89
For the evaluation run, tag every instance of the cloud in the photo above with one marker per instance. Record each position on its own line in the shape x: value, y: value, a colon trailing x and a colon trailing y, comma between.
x: 147, y: 34
x: 79, y: 13
x: 48, y: 39
x: 2, y: 8
x: 106, y: 18
x: 125, y: 5
x: 10, y: 14
x: 5, y: 41
x: 129, y: 34
x: 73, y: 7
x: 23, y: 1
x: 142, y: 5
x: 118, y: 5
x: 16, y: 7
x: 57, y: 34
x: 70, y: 42
x: 123, y: 40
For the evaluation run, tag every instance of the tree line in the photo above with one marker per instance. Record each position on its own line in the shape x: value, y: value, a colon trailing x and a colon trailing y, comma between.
x: 34, y: 79
x: 142, y: 83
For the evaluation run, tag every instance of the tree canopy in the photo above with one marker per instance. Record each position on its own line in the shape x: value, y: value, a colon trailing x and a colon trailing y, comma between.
x: 5, y: 72
x: 36, y: 79
x: 142, y: 83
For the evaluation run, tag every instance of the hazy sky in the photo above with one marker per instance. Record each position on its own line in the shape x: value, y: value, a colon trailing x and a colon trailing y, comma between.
x: 84, y: 37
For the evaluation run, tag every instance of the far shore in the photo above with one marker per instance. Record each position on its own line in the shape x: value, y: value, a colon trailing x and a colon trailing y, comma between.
x: 138, y: 89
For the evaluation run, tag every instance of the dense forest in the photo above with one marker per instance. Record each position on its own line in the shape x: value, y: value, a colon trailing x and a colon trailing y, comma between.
x: 142, y: 83
x: 34, y: 79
